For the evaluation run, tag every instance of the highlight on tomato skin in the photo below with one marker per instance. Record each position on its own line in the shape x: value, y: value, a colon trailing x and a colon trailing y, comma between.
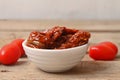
x: 9, y: 54
x: 110, y: 44
x: 103, y: 51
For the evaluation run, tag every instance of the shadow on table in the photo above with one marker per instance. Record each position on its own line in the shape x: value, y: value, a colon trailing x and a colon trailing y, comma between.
x: 21, y: 63
x: 87, y: 67
x: 117, y: 57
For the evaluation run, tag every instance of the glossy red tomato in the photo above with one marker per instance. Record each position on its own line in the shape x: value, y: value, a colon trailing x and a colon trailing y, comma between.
x: 19, y: 43
x: 9, y: 54
x: 110, y: 44
x: 103, y: 51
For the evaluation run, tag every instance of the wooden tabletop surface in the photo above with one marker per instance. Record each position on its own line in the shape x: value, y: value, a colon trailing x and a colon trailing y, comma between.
x: 87, y: 69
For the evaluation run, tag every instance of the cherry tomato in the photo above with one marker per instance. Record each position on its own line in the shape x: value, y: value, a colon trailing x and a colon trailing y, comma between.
x: 103, y: 51
x: 110, y: 44
x: 19, y: 43
x: 9, y: 54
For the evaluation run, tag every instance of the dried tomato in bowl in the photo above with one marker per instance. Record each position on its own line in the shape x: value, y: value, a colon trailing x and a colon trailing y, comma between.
x: 57, y: 38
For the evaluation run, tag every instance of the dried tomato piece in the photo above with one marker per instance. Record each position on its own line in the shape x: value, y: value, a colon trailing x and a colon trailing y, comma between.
x: 36, y: 40
x: 55, y: 32
x: 70, y: 31
x: 79, y: 38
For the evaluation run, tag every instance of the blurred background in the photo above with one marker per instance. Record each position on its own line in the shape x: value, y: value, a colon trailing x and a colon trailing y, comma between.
x: 60, y: 9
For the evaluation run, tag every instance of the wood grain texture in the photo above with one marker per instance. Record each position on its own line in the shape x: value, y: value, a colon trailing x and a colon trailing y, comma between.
x: 106, y: 26
x: 87, y: 69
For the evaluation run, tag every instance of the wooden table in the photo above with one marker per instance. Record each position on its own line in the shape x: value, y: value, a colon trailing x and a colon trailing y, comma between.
x: 88, y: 69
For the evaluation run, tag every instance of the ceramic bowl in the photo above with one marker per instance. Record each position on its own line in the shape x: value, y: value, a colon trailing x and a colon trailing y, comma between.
x: 55, y: 60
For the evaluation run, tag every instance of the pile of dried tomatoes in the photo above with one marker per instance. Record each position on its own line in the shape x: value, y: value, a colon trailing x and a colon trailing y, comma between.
x: 57, y: 38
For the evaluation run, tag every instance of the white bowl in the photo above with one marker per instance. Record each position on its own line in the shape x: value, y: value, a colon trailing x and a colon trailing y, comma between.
x: 55, y: 60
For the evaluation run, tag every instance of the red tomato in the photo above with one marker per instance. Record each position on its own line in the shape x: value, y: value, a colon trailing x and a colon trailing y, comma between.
x: 110, y: 44
x: 19, y: 43
x: 103, y: 51
x: 9, y: 54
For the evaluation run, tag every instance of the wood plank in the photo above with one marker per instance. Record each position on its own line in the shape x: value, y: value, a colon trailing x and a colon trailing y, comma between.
x: 7, y: 37
x: 85, y: 70
x: 99, y: 37
x: 95, y: 36
x: 17, y: 25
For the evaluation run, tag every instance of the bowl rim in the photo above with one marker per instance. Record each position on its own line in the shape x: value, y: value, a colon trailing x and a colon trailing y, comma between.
x: 73, y: 48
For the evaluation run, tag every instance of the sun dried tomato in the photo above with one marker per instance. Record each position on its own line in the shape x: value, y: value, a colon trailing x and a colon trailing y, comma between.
x: 58, y: 38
